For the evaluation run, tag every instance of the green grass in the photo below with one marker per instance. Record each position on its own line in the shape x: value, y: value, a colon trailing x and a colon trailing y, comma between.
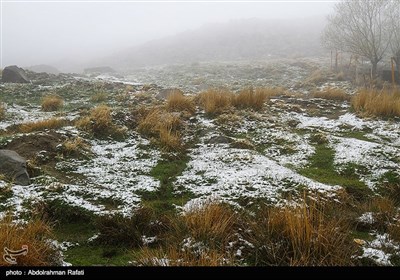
x: 322, y: 169
x: 360, y: 135
x: 164, y: 198
x: 88, y: 255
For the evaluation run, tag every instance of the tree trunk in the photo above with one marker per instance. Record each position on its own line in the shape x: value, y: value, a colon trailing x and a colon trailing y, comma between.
x: 397, y: 61
x: 374, y: 70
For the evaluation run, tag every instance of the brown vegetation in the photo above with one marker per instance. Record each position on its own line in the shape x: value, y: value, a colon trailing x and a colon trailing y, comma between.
x: 35, y: 235
x: 332, y: 94
x: 177, y: 102
x: 52, y: 103
x: 384, y: 103
x: 99, y: 122
x: 52, y: 123
x: 2, y: 111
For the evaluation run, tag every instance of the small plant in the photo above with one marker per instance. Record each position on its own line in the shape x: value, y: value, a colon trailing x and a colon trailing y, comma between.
x: 177, y: 102
x: 35, y: 235
x: 216, y: 101
x: 250, y: 98
x: 52, y: 123
x: 119, y: 230
x: 99, y: 97
x: 100, y: 123
x: 384, y: 103
x: 332, y: 94
x: 75, y: 146
x: 303, y: 235
x: 213, y: 223
x: 52, y: 103
x: 2, y: 111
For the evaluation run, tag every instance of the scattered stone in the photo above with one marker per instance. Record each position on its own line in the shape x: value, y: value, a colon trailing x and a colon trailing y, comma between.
x: 13, y: 166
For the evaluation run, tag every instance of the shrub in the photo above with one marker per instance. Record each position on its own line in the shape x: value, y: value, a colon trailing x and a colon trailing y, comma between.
x: 75, y: 146
x: 52, y: 123
x: 250, y: 98
x: 2, y: 111
x: 212, y: 223
x: 384, y: 103
x: 216, y: 101
x: 99, y: 97
x: 100, y: 123
x: 332, y: 94
x: 120, y: 230
x: 35, y: 235
x: 52, y: 103
x: 303, y: 235
x: 177, y: 102
x: 163, y: 126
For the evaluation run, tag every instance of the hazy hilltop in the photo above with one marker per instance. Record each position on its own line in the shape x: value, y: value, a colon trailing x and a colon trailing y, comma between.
x: 244, y: 39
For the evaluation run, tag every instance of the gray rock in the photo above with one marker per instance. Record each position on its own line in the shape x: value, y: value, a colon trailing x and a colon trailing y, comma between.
x: 14, y: 74
x: 13, y: 166
x: 219, y: 140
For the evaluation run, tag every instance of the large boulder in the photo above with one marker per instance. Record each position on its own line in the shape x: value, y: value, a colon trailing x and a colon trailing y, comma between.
x: 14, y: 74
x: 13, y: 167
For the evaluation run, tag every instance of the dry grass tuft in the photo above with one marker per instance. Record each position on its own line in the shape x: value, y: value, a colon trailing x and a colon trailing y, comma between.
x: 163, y: 126
x: 332, y: 94
x: 52, y: 103
x: 384, y: 103
x: 35, y: 235
x: 213, y: 223
x: 250, y: 98
x: 52, y: 123
x: 304, y: 235
x: 100, y: 123
x: 177, y: 102
x: 2, y: 111
x: 215, y: 101
x: 75, y: 146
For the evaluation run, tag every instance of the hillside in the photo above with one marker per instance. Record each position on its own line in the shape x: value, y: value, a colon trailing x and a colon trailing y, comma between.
x: 247, y: 39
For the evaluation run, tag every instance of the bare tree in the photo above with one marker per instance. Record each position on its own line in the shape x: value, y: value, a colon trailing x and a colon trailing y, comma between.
x: 361, y: 28
x: 394, y: 17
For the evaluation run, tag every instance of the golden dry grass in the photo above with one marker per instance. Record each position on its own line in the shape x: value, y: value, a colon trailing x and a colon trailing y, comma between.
x: 35, y: 235
x: 52, y: 123
x: 383, y: 211
x: 99, y: 122
x: 75, y: 146
x: 177, y: 102
x: 52, y: 103
x: 2, y: 112
x: 216, y: 101
x: 332, y: 94
x: 384, y: 103
x: 250, y: 98
x: 163, y: 126
x: 211, y: 223
x: 300, y: 236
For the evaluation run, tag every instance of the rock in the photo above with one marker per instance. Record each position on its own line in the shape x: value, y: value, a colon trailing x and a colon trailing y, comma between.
x: 99, y: 70
x: 14, y: 74
x: 219, y: 140
x: 13, y: 166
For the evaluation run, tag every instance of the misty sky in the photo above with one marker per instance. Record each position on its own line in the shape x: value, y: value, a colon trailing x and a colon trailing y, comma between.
x: 58, y: 32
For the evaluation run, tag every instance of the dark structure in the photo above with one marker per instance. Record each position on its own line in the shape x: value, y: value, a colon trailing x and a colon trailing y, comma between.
x: 14, y: 74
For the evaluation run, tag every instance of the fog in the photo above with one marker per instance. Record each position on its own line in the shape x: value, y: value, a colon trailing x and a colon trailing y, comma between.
x: 68, y: 34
